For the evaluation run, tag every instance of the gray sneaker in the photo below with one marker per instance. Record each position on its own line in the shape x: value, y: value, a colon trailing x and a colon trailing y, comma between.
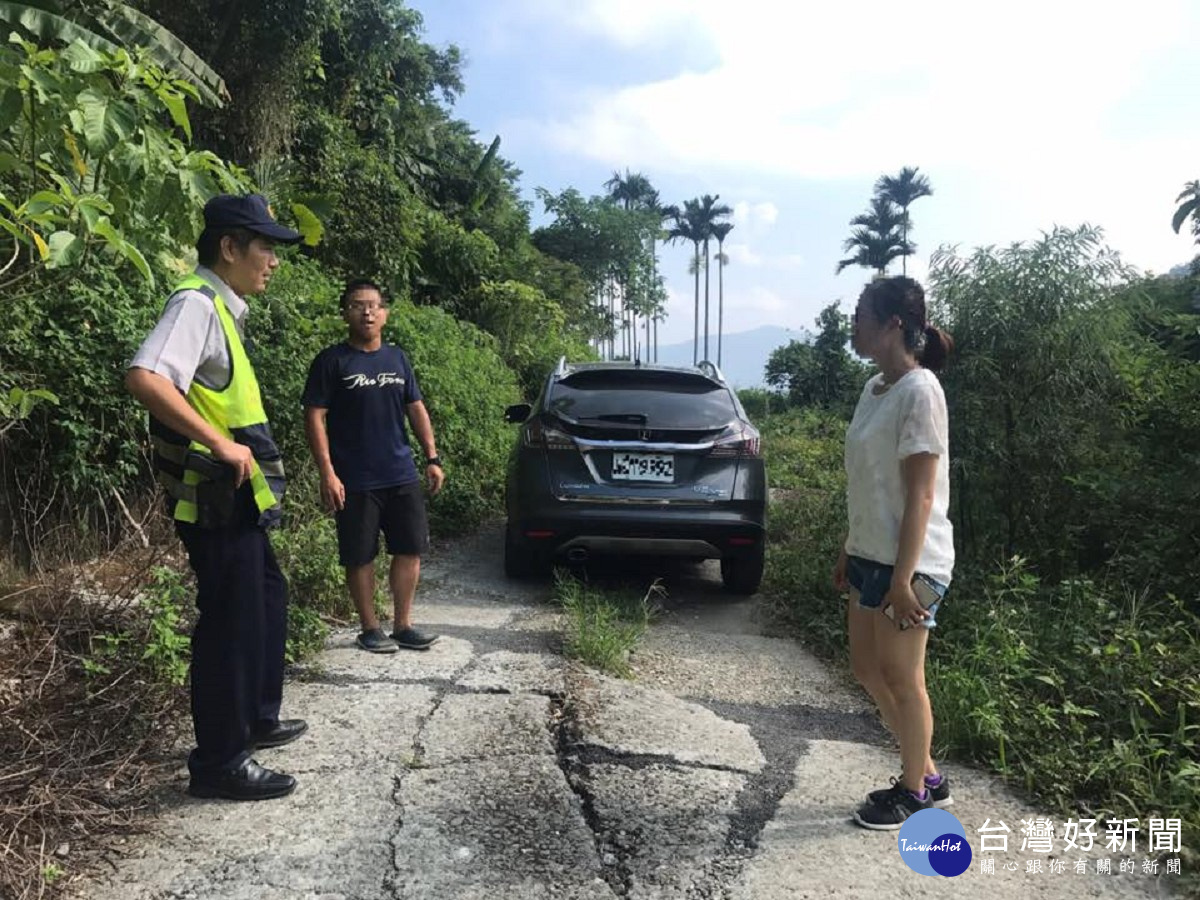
x: 411, y: 639
x: 375, y: 641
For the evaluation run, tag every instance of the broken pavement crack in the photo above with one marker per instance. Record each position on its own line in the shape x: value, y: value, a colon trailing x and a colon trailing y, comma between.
x: 563, y: 725
x: 391, y: 880
x: 778, y: 735
x: 598, y: 754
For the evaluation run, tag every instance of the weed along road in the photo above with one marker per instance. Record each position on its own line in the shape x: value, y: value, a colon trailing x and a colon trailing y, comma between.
x: 492, y: 767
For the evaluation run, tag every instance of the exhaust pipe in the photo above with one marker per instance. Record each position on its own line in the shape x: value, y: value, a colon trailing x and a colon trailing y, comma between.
x: 577, y: 555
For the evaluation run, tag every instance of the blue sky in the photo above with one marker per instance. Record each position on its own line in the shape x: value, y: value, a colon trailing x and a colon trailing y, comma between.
x: 1024, y: 115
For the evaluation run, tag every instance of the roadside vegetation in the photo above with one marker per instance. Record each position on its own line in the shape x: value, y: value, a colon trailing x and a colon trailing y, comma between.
x: 1067, y: 656
x: 604, y: 625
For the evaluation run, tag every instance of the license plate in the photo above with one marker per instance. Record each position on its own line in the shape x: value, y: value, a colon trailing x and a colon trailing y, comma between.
x: 643, y: 467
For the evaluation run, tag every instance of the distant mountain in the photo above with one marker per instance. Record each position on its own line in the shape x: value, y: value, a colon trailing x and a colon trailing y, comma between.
x: 744, y: 355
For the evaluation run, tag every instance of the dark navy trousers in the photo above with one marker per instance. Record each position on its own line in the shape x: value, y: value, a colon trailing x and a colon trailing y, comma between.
x: 238, y: 643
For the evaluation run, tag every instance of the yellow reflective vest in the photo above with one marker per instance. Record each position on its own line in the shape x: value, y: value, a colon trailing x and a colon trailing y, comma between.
x: 200, y: 487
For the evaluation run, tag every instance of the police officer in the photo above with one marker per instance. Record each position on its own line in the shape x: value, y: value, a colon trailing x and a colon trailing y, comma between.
x: 223, y: 477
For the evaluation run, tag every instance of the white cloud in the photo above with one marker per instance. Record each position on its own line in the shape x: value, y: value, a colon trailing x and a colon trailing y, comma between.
x: 767, y: 213
x: 741, y: 254
x: 822, y: 92
x: 755, y: 218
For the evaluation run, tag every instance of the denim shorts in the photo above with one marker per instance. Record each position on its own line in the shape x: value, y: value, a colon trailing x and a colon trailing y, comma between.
x: 872, y: 580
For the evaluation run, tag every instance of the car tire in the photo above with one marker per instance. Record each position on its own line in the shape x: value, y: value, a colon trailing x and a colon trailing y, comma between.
x: 742, y: 573
x: 519, y: 560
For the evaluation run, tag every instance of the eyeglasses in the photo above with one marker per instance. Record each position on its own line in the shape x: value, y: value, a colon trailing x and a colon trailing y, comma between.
x: 361, y: 308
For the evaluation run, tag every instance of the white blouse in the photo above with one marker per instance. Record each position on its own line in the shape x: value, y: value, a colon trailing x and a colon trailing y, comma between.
x: 909, y: 417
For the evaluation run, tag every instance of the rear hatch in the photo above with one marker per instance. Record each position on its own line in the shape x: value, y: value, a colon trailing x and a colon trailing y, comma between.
x: 642, y: 435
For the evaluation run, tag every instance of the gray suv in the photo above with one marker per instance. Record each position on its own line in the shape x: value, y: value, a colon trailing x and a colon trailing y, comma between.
x: 626, y: 458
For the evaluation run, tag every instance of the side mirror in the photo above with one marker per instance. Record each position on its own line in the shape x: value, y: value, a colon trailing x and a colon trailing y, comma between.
x: 517, y: 413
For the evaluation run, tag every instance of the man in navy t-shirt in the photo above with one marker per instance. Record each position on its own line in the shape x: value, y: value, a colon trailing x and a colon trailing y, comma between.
x: 356, y: 400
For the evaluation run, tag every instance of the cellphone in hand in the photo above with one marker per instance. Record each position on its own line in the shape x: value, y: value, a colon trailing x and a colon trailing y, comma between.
x: 925, y: 594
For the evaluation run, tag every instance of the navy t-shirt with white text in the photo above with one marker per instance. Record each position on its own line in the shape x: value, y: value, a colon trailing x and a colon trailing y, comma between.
x: 365, y: 393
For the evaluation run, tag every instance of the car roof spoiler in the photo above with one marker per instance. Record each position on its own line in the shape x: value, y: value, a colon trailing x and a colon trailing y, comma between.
x: 706, y: 367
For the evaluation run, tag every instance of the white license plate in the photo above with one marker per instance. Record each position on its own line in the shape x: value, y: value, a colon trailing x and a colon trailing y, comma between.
x: 643, y: 467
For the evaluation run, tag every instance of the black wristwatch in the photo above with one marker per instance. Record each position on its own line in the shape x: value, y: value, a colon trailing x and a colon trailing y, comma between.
x: 434, y: 461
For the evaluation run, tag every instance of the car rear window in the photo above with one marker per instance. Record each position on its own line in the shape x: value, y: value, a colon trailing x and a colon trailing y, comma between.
x: 666, y: 399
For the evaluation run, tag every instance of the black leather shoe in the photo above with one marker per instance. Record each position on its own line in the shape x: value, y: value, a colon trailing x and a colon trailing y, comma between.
x: 282, y: 732
x: 248, y: 782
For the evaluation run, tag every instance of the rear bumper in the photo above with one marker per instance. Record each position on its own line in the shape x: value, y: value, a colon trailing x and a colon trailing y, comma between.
x: 711, y: 531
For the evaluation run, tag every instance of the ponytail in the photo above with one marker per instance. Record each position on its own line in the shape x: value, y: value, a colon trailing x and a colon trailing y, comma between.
x: 937, y: 349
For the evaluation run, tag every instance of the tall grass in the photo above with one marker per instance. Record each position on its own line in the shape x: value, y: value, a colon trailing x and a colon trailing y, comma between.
x: 1085, y: 693
x: 603, y: 626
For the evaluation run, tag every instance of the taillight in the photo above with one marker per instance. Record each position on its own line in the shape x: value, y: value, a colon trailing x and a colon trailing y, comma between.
x: 737, y: 440
x: 536, y: 434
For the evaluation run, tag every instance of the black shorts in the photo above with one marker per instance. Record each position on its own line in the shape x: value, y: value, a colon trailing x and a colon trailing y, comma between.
x: 398, y: 511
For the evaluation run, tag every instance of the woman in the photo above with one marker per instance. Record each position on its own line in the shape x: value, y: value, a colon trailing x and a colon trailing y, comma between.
x: 898, y: 555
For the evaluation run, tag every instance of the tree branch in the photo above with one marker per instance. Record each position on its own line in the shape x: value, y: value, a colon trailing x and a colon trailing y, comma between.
x: 132, y: 521
x: 16, y: 253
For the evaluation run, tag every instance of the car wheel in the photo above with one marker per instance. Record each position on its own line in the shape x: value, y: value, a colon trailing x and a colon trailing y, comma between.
x: 742, y: 573
x: 519, y: 560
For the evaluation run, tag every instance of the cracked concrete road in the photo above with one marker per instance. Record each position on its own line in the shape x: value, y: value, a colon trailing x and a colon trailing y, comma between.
x: 491, y: 767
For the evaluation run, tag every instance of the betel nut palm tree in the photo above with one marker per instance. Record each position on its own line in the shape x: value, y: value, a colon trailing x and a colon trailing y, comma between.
x: 903, y: 189
x: 709, y: 214
x: 720, y: 232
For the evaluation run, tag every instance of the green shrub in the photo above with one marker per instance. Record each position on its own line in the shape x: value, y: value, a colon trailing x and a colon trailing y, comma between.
x: 306, y: 632
x: 803, y: 451
x: 1082, y: 692
x: 760, y: 403
x: 802, y: 546
x: 296, y: 319
x: 67, y: 458
x: 152, y: 642
x: 307, y: 554
x: 530, y: 330
x: 1073, y: 423
x: 306, y: 548
x: 466, y: 387
x: 168, y: 649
